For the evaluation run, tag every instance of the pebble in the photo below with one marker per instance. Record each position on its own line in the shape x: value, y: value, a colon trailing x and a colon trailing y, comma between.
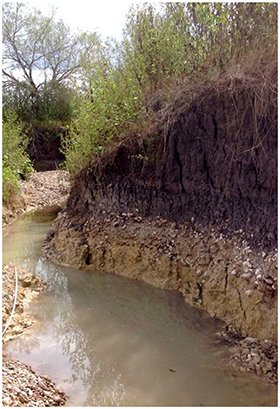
x: 22, y: 397
x: 26, y: 389
x: 42, y: 385
x: 251, y: 340
x: 6, y: 401
x: 247, y: 276
x: 57, y: 399
x: 259, y: 357
x: 253, y: 360
x: 268, y: 280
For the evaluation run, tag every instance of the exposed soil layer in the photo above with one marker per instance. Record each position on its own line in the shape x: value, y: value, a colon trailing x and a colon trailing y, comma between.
x: 224, y: 277
x: 191, y: 206
x: 212, y: 160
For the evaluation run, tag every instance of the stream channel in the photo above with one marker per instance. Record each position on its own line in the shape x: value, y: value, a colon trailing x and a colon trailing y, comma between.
x: 107, y: 340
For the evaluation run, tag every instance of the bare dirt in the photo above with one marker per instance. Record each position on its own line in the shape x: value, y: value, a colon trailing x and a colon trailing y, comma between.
x: 21, y: 385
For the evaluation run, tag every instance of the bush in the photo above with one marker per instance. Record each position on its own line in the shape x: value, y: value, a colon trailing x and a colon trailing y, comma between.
x: 104, y: 117
x: 15, y: 161
x: 10, y: 186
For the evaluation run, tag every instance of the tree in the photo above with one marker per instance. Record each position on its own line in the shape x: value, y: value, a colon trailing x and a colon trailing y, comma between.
x: 15, y: 161
x: 39, y: 54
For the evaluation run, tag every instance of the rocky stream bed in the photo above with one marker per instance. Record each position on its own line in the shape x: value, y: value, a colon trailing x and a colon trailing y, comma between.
x: 21, y: 385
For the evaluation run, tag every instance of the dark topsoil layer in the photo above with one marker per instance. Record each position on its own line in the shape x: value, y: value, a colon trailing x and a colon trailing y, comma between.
x: 211, y: 157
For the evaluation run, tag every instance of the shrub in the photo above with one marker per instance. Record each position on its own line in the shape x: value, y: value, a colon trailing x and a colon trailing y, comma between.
x: 105, y: 115
x: 10, y: 186
x: 15, y: 162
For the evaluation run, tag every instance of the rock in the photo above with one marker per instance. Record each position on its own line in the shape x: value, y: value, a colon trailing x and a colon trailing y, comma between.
x: 17, y: 330
x: 22, y: 397
x: 251, y: 340
x: 42, y: 385
x: 16, y: 389
x: 6, y: 401
x: 254, y: 360
x: 47, y: 393
x: 25, y: 387
x: 247, y: 276
x: 268, y: 280
x: 26, y: 281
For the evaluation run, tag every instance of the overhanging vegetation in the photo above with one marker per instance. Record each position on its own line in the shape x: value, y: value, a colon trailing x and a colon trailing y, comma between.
x: 169, y: 54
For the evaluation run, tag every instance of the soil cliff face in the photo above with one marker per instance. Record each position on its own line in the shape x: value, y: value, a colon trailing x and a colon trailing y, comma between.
x: 208, y: 170
x: 216, y: 162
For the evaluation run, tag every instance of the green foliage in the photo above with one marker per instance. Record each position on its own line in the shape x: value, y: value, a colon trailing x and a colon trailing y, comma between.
x: 194, y: 39
x: 10, y: 185
x: 57, y: 103
x: 53, y: 103
x: 40, y: 57
x: 107, y: 112
x: 15, y: 162
x: 102, y: 90
x: 163, y: 43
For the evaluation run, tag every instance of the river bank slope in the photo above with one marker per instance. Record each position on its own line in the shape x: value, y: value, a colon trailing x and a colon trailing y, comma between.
x: 191, y: 205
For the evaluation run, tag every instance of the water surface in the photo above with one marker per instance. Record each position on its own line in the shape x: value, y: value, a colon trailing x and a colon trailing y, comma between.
x: 111, y: 341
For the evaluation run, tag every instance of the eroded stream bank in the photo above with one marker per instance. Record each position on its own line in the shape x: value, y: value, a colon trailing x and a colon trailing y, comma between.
x: 190, y: 204
x: 225, y: 278
x: 108, y: 340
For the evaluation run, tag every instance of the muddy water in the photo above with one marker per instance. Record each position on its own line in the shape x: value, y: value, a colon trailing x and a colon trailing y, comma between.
x: 110, y: 341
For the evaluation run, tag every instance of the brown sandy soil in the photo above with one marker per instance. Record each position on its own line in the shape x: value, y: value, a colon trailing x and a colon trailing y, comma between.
x: 21, y: 385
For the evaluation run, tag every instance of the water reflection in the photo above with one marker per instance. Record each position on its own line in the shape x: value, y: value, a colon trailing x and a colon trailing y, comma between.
x: 110, y: 341
x: 58, y: 344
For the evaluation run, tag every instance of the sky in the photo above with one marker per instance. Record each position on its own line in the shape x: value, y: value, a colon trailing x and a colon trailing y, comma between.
x: 106, y: 17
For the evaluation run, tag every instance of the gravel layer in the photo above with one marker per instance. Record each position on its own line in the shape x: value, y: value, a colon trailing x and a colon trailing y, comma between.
x: 21, y: 386
x: 43, y: 189
x: 46, y: 189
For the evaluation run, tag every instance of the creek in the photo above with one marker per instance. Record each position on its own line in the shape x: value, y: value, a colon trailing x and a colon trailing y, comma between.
x: 107, y: 340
